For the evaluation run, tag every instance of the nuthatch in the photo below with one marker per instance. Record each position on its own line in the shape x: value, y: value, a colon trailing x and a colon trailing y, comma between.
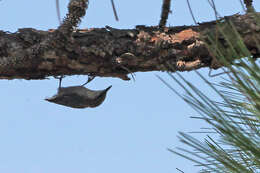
x: 79, y: 97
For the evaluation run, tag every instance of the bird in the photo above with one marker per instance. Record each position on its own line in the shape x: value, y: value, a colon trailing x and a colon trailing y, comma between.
x: 79, y: 97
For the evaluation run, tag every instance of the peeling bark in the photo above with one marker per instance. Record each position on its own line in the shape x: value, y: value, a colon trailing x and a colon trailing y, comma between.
x: 109, y: 52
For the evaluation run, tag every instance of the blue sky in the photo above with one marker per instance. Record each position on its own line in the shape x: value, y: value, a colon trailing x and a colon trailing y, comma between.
x: 130, y: 132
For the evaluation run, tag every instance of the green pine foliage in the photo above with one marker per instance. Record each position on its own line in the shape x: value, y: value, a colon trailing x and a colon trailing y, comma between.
x: 236, y: 118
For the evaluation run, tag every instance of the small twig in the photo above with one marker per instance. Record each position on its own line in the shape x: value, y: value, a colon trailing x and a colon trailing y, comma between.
x: 165, y: 12
x: 58, y: 11
x: 114, y: 10
x: 179, y: 170
x: 77, y: 9
x: 249, y: 5
x: 213, y: 6
x: 188, y: 2
x: 242, y: 5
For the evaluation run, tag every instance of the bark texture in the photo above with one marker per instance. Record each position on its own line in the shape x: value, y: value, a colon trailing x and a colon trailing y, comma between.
x: 109, y: 52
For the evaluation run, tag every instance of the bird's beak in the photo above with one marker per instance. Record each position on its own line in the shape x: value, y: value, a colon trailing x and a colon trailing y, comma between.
x: 108, y: 88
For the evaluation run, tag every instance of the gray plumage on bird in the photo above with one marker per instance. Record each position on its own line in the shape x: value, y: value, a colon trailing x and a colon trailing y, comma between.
x: 79, y: 97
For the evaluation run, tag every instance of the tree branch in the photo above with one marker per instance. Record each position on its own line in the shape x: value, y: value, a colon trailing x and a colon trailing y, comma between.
x: 77, y: 9
x: 108, y: 52
x: 249, y: 5
x: 114, y: 10
x: 165, y: 12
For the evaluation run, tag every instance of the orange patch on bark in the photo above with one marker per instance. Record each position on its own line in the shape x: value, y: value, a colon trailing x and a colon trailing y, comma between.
x: 153, y: 39
x: 185, y: 35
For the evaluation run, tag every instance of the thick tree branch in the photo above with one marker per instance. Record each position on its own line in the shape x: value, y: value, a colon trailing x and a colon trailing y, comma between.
x: 114, y: 53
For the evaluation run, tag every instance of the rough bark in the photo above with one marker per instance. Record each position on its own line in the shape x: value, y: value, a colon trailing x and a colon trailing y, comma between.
x: 109, y: 52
